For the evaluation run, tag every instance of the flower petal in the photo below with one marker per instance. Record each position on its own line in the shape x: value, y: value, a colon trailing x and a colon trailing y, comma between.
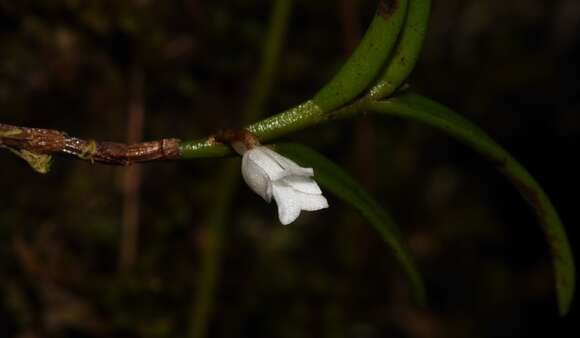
x: 303, y: 184
x: 271, y: 174
x: 262, y: 157
x: 312, y: 202
x: 256, y: 178
x: 290, y: 167
x: 288, y: 203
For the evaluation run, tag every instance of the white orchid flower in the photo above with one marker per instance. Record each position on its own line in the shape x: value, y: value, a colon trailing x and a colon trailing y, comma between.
x: 271, y: 174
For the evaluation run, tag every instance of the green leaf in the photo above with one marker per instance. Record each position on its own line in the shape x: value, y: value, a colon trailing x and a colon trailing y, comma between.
x: 365, y: 63
x: 424, y: 110
x: 407, y: 50
x: 335, y: 180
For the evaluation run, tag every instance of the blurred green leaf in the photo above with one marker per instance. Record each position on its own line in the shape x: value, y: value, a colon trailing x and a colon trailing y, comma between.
x: 424, y: 110
x: 334, y: 179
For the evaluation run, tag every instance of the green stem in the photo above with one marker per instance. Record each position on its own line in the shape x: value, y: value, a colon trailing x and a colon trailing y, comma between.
x: 294, y: 119
x: 291, y: 120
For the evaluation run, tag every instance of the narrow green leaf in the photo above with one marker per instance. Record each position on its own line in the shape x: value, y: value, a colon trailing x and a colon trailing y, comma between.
x: 366, y: 61
x: 424, y: 110
x: 334, y: 179
x: 407, y: 50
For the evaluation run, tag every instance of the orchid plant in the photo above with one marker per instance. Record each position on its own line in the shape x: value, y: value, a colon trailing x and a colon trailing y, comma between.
x: 372, y: 80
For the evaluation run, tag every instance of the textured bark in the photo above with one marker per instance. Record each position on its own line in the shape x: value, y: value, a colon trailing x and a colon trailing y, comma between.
x: 47, y: 141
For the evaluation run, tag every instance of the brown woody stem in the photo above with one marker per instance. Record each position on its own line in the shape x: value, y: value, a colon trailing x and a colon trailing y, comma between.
x: 48, y: 141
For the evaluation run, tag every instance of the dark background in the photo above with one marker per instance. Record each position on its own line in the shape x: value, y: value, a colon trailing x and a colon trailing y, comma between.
x: 83, y: 67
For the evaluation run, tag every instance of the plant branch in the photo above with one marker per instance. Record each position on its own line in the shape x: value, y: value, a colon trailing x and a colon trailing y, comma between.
x: 331, y: 102
x: 48, y: 141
